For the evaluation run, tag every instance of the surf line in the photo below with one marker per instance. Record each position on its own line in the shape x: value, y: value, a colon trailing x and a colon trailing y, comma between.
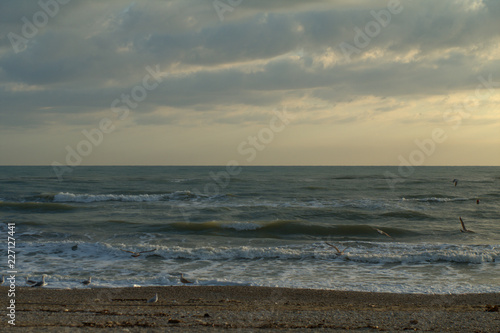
x: 121, y: 106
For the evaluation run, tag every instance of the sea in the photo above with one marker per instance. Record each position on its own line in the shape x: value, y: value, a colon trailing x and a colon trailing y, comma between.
x: 396, y: 229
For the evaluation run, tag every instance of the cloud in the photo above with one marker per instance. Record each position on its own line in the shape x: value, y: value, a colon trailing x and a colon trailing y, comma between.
x: 262, y: 55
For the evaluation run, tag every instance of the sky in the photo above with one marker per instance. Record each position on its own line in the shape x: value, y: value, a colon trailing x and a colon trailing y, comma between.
x: 249, y: 82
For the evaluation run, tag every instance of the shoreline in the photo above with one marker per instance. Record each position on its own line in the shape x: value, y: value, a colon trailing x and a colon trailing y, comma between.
x: 244, y: 308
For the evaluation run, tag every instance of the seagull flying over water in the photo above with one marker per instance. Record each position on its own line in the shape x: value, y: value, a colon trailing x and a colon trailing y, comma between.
x: 455, y: 181
x: 382, y: 232
x: 464, y: 229
x: 136, y: 254
x: 40, y: 283
x: 153, y: 299
x: 183, y: 280
x: 339, y: 253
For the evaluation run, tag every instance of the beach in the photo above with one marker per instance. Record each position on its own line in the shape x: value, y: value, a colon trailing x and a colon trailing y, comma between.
x: 247, y: 309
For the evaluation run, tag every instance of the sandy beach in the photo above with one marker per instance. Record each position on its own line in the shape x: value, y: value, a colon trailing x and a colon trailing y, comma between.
x: 247, y: 309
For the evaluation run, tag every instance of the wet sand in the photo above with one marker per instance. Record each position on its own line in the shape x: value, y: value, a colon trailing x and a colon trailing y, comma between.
x: 246, y: 309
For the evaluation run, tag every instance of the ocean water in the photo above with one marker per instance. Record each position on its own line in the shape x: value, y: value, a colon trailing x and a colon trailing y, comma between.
x: 258, y: 226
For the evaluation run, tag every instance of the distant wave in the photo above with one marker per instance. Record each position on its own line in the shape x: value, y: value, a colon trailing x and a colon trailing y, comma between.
x: 351, y: 177
x: 35, y: 206
x: 407, y: 214
x: 434, y: 199
x: 315, y: 188
x: 283, y: 228
x: 211, y: 201
x: 86, y: 198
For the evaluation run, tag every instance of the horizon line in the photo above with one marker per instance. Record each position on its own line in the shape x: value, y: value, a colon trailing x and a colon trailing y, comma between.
x: 244, y: 165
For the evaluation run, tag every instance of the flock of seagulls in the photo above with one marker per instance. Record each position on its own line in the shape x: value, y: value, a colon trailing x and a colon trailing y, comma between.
x: 43, y: 283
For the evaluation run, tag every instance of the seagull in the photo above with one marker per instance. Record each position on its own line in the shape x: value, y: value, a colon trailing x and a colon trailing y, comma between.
x: 455, y: 181
x: 183, y: 280
x: 87, y: 282
x: 136, y: 254
x: 30, y: 281
x: 40, y: 283
x: 382, y: 232
x: 464, y: 229
x: 154, y: 299
x: 339, y: 253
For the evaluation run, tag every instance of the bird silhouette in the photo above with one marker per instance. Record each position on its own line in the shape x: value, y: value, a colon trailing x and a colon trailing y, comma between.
x: 464, y: 229
x: 154, y: 299
x: 382, y: 232
x: 40, y: 283
x: 87, y: 282
x: 28, y: 281
x: 339, y: 253
x: 183, y: 280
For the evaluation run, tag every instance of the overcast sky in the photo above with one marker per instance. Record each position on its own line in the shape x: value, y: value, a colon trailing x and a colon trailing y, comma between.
x: 256, y: 82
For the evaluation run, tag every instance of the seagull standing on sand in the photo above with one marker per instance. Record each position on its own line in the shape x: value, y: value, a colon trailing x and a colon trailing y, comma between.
x: 464, y: 229
x: 339, y: 253
x: 40, y: 283
x: 154, y: 299
x: 183, y: 280
x: 28, y: 281
x: 87, y: 282
x: 455, y: 181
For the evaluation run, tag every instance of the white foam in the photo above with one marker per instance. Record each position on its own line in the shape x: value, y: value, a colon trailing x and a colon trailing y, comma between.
x: 366, y: 266
x: 87, y: 198
x: 435, y: 199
